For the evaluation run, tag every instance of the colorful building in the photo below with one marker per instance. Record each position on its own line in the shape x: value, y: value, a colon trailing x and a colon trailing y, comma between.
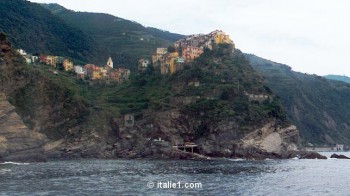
x: 80, y: 72
x: 42, y: 58
x: 190, y: 53
x: 51, y: 60
x: 220, y: 37
x: 67, y: 65
x: 96, y: 75
x: 90, y: 68
x: 157, y: 57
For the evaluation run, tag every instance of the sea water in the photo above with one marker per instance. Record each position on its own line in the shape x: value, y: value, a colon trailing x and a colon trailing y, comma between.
x: 177, y: 177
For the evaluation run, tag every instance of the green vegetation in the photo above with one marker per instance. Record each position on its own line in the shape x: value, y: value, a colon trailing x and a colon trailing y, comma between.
x: 35, y: 29
x: 126, y: 41
x: 84, y: 37
x: 319, y: 107
x: 60, y: 104
x: 224, y: 79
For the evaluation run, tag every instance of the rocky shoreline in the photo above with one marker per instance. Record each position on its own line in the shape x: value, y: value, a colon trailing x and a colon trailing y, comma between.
x: 18, y: 143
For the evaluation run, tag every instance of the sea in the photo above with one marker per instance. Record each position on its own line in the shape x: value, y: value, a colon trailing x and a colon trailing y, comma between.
x: 177, y: 177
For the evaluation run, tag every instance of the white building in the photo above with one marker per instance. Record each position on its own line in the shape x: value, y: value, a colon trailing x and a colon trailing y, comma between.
x: 28, y: 59
x: 110, y: 62
x: 78, y: 69
x: 34, y: 59
x: 22, y: 52
x: 339, y: 147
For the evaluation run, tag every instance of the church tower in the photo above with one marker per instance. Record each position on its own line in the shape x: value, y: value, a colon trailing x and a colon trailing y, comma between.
x: 110, y: 62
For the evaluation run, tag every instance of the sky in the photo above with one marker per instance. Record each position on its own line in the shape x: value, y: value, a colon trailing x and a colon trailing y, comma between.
x: 311, y: 36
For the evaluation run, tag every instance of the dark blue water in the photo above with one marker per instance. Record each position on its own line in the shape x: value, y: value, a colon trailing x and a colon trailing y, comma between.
x: 219, y: 177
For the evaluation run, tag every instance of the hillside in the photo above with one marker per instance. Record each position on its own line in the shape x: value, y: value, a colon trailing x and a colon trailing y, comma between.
x: 126, y: 41
x: 84, y: 37
x: 338, y: 78
x: 86, y: 119
x: 319, y: 107
x: 35, y: 29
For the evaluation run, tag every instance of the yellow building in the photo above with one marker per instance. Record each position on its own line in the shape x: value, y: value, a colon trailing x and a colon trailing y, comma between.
x: 171, y: 62
x: 167, y: 63
x: 96, y: 75
x: 158, y: 55
x: 67, y: 65
x: 51, y: 60
x: 221, y: 38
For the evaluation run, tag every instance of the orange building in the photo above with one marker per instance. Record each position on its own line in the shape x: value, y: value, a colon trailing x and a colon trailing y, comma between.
x: 96, y: 75
x: 190, y: 53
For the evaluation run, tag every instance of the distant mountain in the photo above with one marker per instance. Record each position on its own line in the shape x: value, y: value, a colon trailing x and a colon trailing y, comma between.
x: 338, y: 78
x: 35, y: 29
x: 126, y: 41
x: 319, y: 107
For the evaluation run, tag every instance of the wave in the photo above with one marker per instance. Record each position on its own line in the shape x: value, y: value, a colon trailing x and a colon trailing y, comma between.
x: 237, y: 159
x: 3, y: 171
x: 13, y: 163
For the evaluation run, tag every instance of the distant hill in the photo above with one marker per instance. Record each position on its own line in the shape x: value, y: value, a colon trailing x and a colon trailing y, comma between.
x: 126, y: 41
x: 82, y: 36
x: 35, y: 29
x: 319, y: 107
x: 338, y: 78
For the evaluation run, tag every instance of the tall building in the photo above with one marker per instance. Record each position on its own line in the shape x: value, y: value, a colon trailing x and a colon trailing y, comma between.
x: 110, y: 62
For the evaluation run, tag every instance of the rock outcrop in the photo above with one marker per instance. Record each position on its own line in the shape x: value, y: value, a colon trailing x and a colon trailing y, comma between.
x: 273, y: 139
x: 303, y: 155
x: 340, y: 156
x: 17, y: 142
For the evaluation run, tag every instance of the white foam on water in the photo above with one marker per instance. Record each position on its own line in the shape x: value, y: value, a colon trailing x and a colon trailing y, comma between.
x: 13, y: 163
x: 3, y: 171
x: 237, y: 159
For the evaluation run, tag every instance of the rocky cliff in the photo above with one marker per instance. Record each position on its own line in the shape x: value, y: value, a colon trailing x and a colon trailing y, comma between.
x: 220, y: 117
x: 317, y: 106
x: 17, y: 142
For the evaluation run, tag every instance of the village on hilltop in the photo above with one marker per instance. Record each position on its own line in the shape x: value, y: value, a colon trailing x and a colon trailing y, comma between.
x: 167, y: 60
x: 172, y: 59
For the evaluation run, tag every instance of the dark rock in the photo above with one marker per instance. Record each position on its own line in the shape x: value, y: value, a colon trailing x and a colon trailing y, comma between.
x: 303, y: 155
x: 339, y: 156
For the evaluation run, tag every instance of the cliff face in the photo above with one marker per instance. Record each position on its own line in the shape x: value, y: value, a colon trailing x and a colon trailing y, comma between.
x: 86, y: 119
x: 222, y: 140
x: 17, y: 142
x: 317, y: 106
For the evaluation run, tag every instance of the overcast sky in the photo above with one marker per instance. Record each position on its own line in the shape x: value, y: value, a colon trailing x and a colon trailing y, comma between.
x: 311, y: 36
